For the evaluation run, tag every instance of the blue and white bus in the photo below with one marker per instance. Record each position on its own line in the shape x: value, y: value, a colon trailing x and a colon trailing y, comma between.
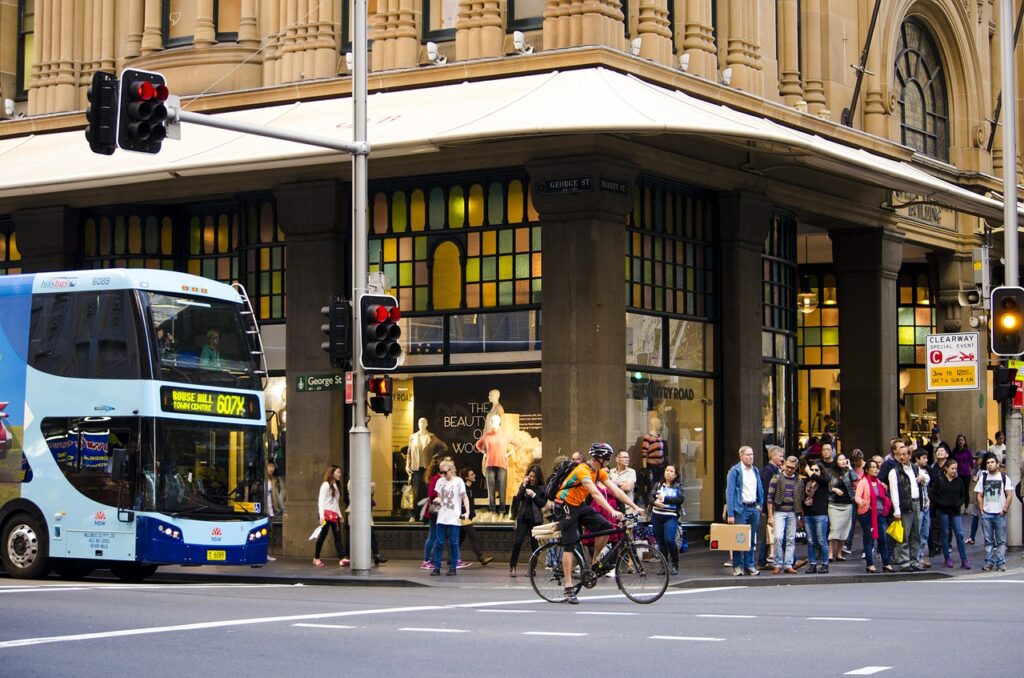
x: 134, y: 425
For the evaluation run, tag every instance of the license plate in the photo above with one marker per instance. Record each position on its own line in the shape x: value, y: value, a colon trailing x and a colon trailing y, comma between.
x: 216, y: 555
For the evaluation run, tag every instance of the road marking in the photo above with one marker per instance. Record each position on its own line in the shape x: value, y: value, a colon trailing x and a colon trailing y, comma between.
x: 326, y: 626
x: 867, y: 670
x: 510, y: 611
x: 566, y: 634
x: 47, y: 588
x: 728, y: 616
x: 612, y: 614
x: 980, y: 581
x: 23, y: 642
x: 713, y: 640
x: 838, y: 619
x: 432, y: 630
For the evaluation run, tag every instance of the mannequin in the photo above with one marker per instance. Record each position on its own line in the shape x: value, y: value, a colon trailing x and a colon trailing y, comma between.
x: 423, y: 445
x: 496, y: 409
x: 653, y: 451
x: 494, y: 444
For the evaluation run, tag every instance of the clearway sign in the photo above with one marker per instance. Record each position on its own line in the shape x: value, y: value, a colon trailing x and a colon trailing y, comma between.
x: 953, y: 362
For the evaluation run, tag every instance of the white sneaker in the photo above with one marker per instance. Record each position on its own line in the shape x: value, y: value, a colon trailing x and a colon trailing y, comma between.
x: 271, y: 559
x: 462, y: 564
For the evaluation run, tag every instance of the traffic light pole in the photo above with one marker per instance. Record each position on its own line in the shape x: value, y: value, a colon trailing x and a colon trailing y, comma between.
x: 1013, y: 423
x: 359, y: 435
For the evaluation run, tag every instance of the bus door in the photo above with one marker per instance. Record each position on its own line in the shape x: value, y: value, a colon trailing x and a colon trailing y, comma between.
x: 103, y: 459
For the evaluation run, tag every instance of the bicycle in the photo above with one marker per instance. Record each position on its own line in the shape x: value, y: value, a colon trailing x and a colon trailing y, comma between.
x: 641, y: 571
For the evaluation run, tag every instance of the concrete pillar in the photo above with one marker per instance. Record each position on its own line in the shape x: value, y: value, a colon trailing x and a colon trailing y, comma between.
x: 584, y: 335
x: 959, y: 411
x: 867, y: 264
x: 47, y: 238
x: 696, y: 38
x: 314, y: 217
x: 745, y: 220
x: 789, y: 53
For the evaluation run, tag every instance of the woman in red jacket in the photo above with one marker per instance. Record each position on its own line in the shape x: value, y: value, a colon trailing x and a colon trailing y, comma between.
x: 873, y: 505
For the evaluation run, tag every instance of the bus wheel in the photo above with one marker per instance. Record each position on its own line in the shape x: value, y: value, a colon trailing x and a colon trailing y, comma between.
x: 24, y: 547
x: 133, y: 572
x: 71, y: 569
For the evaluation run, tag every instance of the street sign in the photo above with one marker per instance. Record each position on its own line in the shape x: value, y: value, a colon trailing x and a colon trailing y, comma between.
x: 1018, y: 397
x: 953, y: 362
x: 314, y: 383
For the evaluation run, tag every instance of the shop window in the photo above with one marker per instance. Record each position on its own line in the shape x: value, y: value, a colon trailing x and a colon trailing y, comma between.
x: 818, y: 398
x: 26, y: 46
x: 228, y: 17
x: 265, y: 259
x: 525, y: 15
x: 924, y: 117
x: 10, y: 257
x: 915, y: 315
x: 447, y: 281
x: 818, y: 331
x: 778, y: 335
x: 441, y: 17
x: 133, y: 239
x: 670, y: 256
x: 179, y: 22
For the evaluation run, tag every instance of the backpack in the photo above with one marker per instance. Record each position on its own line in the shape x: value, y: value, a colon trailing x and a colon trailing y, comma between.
x: 557, y: 477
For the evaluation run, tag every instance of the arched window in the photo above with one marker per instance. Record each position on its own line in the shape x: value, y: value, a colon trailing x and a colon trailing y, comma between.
x: 924, y: 117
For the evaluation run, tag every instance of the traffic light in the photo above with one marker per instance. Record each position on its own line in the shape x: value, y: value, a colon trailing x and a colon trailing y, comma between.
x: 142, y: 115
x: 378, y: 392
x: 1007, y: 321
x: 102, y: 113
x: 337, y: 331
x: 379, y: 315
x: 1004, y: 384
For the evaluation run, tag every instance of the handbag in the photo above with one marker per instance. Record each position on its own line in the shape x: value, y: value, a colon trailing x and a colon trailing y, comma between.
x: 331, y: 516
x: 316, y: 532
x: 895, y: 530
x: 408, y: 501
x: 431, y: 509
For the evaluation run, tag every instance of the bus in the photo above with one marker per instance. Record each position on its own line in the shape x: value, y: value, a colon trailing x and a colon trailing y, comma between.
x: 133, y: 424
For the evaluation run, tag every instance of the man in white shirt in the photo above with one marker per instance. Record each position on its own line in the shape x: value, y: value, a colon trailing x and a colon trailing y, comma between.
x: 999, y: 448
x: 744, y: 497
x: 905, y: 485
x: 624, y: 476
x: 992, y: 492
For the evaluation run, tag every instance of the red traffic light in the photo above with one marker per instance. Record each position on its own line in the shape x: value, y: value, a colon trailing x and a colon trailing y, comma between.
x: 380, y: 313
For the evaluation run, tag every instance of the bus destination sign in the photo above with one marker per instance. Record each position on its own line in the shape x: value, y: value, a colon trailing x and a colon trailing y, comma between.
x: 212, y: 403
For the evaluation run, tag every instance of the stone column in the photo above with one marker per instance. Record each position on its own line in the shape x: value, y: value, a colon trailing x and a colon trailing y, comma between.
x: 696, y: 37
x: 745, y: 220
x: 868, y: 262
x: 107, y: 37
x: 133, y: 42
x: 152, y: 31
x: 814, y: 87
x: 270, y: 25
x: 328, y: 37
x: 789, y: 53
x: 204, y: 33
x: 744, y: 52
x: 248, y: 35
x: 959, y: 411
x: 479, y: 31
x: 584, y: 335
x: 47, y: 238
x: 573, y: 23
x: 315, y: 221
x: 875, y: 106
x: 655, y: 32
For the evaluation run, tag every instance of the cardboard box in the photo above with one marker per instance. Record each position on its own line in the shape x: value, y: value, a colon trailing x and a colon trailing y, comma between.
x: 725, y: 537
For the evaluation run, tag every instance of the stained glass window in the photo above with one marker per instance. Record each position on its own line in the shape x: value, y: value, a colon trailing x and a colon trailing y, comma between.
x: 452, y: 244
x: 924, y: 119
x: 670, y: 256
x: 778, y: 261
x: 915, y: 315
x: 10, y: 258
x: 817, y: 334
x: 128, y: 239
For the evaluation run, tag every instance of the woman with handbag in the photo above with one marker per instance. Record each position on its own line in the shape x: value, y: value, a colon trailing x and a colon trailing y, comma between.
x: 664, y: 504
x: 873, y: 505
x: 527, y: 507
x: 329, y: 507
x: 431, y: 505
x: 840, y: 506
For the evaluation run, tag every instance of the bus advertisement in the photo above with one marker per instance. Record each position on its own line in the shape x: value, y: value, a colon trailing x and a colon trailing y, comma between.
x: 132, y: 418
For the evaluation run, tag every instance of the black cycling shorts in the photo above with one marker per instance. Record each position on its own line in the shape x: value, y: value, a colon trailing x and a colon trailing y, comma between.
x: 571, y: 518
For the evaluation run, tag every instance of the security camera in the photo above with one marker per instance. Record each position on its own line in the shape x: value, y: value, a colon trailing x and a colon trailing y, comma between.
x: 684, y: 62
x: 519, y: 43
x: 433, y: 56
x: 634, y: 47
x: 348, y: 60
x: 727, y: 77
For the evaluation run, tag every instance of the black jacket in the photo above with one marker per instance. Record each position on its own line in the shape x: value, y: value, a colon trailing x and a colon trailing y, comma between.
x: 529, y: 510
x: 948, y: 495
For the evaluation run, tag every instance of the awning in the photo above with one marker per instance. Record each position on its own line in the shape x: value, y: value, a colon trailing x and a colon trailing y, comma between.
x: 585, y: 101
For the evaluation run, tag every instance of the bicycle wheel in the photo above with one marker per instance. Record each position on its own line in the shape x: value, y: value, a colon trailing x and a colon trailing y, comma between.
x: 546, y: 572
x: 641, y: 572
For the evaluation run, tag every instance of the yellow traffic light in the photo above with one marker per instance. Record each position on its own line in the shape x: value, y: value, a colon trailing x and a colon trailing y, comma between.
x: 1009, y: 321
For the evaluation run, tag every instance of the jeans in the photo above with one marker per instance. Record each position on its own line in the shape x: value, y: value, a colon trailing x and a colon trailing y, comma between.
x: 665, y: 528
x: 428, y: 548
x: 946, y: 524
x: 869, y: 541
x: 785, y: 538
x: 449, y: 533
x: 907, y: 550
x: 748, y: 515
x: 974, y: 526
x: 993, y: 526
x: 496, y: 481
x: 925, y: 530
x: 817, y: 539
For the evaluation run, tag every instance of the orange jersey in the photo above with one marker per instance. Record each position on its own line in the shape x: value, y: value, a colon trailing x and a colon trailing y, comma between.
x: 572, y: 491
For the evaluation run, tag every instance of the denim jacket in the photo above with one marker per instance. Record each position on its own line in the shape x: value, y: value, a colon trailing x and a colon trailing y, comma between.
x: 734, y: 490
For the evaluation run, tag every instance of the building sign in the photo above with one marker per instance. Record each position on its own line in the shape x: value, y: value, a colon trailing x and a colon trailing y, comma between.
x: 933, y: 215
x: 953, y: 362
x: 212, y: 403
x: 566, y: 185
x: 314, y: 383
x: 612, y: 186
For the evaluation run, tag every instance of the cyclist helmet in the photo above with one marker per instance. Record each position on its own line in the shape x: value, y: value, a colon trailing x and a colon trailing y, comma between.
x: 602, y: 451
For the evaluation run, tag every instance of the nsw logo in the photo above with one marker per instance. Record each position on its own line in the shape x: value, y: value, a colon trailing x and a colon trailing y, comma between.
x: 100, y: 518
x: 215, y: 534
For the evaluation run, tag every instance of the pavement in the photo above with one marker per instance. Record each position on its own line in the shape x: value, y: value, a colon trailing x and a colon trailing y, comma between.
x: 698, y: 568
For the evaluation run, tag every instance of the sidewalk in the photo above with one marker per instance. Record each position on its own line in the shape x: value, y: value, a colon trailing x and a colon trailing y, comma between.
x: 698, y: 568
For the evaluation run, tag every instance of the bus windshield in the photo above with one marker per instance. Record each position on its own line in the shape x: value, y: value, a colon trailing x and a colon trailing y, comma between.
x: 200, y: 341
x: 205, y: 470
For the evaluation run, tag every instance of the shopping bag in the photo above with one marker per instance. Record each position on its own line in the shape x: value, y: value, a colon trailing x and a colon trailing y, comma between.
x: 316, y: 532
x: 895, y: 530
x: 408, y: 501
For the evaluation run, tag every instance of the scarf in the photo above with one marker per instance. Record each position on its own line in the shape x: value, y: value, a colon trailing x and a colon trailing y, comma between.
x: 874, y: 487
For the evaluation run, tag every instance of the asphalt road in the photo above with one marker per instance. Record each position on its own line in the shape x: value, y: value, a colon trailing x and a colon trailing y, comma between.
x: 921, y: 628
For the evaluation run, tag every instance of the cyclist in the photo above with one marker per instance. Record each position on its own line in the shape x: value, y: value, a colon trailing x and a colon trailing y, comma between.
x: 572, y: 508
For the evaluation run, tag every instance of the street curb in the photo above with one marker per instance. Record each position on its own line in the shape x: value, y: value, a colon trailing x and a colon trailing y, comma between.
x: 810, y: 579
x: 340, y: 580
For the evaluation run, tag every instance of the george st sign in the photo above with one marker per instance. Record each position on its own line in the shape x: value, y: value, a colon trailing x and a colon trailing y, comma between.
x: 953, y: 362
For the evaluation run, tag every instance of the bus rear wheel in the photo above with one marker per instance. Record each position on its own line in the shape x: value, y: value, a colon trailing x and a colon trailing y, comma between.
x: 132, y: 572
x: 25, y: 547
